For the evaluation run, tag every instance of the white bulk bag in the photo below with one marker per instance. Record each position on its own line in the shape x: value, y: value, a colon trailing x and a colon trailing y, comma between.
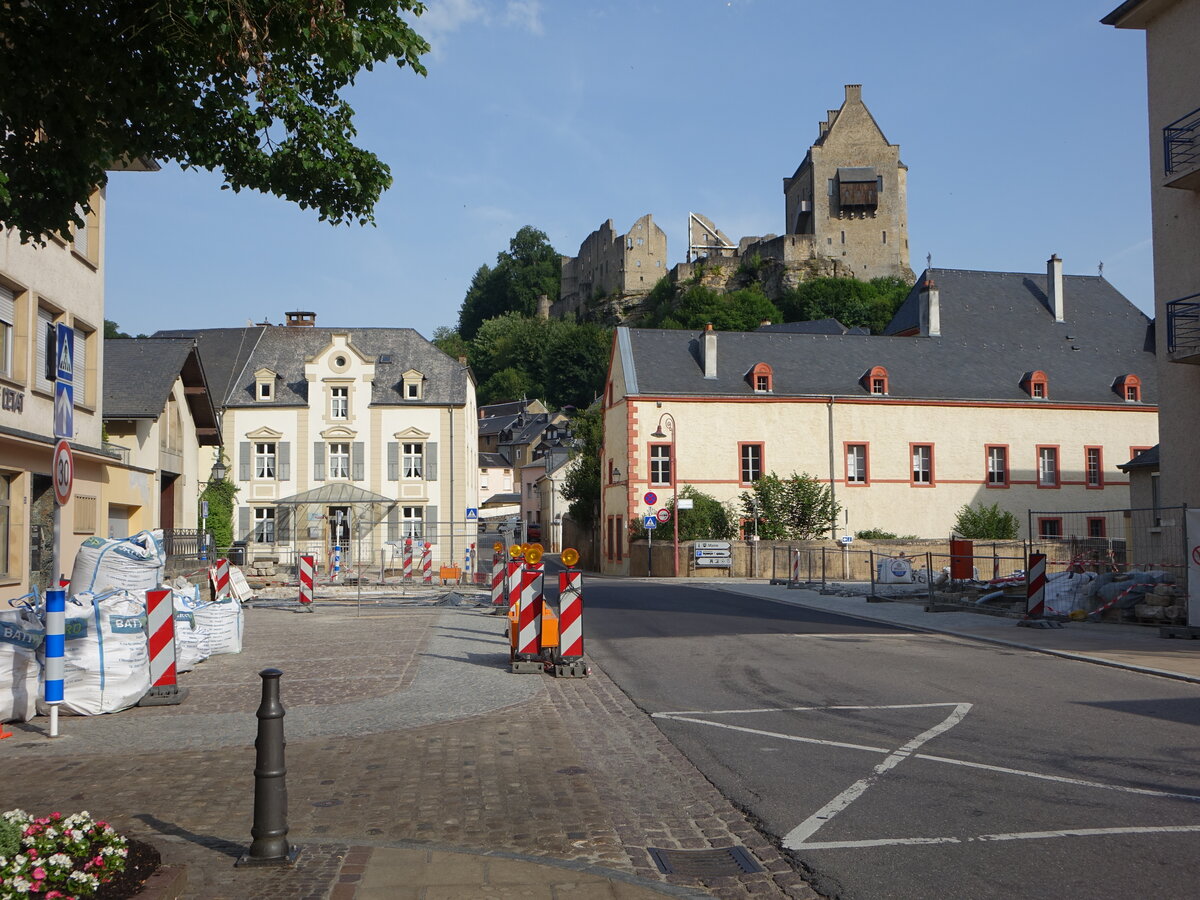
x: 106, y: 665
x: 21, y: 634
x: 191, y: 638
x: 133, y: 564
x: 224, y: 621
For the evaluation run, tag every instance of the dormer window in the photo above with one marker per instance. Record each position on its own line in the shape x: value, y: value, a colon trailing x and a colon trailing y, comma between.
x: 876, y: 380
x: 264, y: 385
x: 412, y: 386
x: 1129, y: 388
x: 761, y: 379
x: 1036, y: 385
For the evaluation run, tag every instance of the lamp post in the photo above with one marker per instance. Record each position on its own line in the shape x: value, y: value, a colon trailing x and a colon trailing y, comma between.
x: 215, y: 477
x: 659, y: 433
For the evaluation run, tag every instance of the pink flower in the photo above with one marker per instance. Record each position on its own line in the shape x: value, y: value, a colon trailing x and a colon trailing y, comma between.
x: 56, y: 816
x: 97, y: 860
x: 55, y: 895
x: 39, y: 873
x: 32, y: 853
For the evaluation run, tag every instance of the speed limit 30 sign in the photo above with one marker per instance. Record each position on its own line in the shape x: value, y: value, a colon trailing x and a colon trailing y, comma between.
x: 64, y: 473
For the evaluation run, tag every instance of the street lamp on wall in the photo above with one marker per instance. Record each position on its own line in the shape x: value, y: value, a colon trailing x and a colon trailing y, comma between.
x: 669, y: 420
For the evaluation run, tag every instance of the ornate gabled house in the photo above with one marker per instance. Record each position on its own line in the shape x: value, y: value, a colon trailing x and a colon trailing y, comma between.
x: 1025, y: 390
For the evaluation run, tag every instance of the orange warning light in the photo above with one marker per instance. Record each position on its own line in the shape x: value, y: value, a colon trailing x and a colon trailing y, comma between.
x: 533, y: 556
x: 515, y: 551
x: 498, y: 547
x: 570, y: 556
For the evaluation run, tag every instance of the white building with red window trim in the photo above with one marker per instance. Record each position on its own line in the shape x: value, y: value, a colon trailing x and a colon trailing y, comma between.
x: 1026, y: 390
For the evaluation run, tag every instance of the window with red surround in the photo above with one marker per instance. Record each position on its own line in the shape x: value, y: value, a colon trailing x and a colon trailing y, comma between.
x: 1049, y: 527
x: 921, y: 471
x: 660, y: 464
x: 1096, y: 527
x: 750, y: 462
x: 761, y: 378
x: 1093, y: 467
x: 858, y: 472
x: 1129, y: 388
x: 1036, y: 385
x: 875, y: 380
x: 997, y: 465
x: 1048, y: 471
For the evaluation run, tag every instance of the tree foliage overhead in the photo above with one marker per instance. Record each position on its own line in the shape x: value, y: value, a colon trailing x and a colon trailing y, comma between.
x: 529, y: 268
x: 250, y: 88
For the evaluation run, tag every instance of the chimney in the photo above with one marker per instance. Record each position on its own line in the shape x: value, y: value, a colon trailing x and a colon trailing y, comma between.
x: 300, y: 319
x: 930, y: 307
x: 854, y: 92
x: 708, y: 351
x: 1054, y: 286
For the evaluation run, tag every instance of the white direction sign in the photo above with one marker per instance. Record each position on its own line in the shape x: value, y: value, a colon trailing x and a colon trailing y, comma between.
x: 685, y: 503
x: 712, y: 545
x: 64, y: 473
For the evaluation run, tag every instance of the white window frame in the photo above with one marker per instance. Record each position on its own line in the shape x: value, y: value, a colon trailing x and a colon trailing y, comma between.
x: 8, y: 321
x: 997, y: 475
x: 856, y: 463
x: 412, y: 460
x: 264, y: 525
x: 339, y: 460
x: 1047, y: 467
x: 412, y: 522
x: 751, y: 463
x: 266, y: 460
x: 339, y: 403
x: 922, y: 464
x: 660, y: 460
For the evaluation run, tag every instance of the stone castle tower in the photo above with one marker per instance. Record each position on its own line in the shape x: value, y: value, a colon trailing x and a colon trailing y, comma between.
x: 851, y: 194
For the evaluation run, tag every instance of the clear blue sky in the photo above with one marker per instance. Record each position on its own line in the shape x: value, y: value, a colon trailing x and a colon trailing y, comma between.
x: 1023, y: 125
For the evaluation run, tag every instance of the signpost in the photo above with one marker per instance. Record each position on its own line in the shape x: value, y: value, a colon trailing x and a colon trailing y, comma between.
x: 713, y: 554
x: 64, y: 392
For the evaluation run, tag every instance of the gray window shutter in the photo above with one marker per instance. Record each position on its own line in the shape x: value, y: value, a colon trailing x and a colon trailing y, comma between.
x: 283, y: 524
x: 244, y: 461
x: 283, y: 461
x: 393, y: 461
x: 393, y: 523
x: 243, y: 524
x: 431, y: 524
x: 431, y: 461
x: 356, y: 461
x: 319, y: 461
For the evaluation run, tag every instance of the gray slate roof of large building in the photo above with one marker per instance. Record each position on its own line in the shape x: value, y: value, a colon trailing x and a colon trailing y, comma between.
x: 995, y: 327
x: 139, y: 374
x: 233, y: 355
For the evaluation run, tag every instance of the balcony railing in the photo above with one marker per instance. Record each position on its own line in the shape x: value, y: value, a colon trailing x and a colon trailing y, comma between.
x: 1181, y: 144
x: 182, y: 542
x: 120, y: 451
x: 1183, y: 325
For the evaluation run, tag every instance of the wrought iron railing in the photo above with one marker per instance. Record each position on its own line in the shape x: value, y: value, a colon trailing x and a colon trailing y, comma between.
x: 1181, y: 143
x: 1183, y: 324
x: 182, y: 542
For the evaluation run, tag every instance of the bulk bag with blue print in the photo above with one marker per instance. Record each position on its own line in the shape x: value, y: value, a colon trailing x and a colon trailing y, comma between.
x: 192, y: 645
x: 21, y: 634
x: 134, y: 563
x: 106, y: 666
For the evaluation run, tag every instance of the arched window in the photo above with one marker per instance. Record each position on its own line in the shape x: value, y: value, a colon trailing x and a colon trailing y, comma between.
x: 1129, y: 388
x: 761, y: 378
x: 1036, y: 385
x: 875, y: 380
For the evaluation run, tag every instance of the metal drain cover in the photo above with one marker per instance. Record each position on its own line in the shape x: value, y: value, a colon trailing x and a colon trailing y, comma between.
x: 704, y: 863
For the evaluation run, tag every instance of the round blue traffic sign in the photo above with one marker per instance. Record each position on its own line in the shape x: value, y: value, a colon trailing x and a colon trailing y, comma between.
x: 651, y: 498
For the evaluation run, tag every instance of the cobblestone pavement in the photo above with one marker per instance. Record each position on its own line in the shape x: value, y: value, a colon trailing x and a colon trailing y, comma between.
x: 404, y: 729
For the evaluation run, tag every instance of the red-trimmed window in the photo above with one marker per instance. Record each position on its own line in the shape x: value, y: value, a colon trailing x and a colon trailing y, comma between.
x: 876, y: 380
x: 761, y: 378
x: 1048, y: 471
x: 858, y: 464
x: 1093, y: 467
x: 660, y: 464
x: 750, y: 462
x: 922, y: 464
x: 1134, y: 451
x: 997, y: 465
x: 1050, y: 527
x: 1129, y: 388
x: 1036, y: 385
x: 1096, y: 527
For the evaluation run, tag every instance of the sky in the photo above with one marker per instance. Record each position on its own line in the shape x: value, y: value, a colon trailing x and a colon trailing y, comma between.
x: 1023, y: 126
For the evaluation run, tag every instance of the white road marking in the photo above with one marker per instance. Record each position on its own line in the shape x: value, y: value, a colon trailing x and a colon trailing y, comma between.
x: 797, y: 838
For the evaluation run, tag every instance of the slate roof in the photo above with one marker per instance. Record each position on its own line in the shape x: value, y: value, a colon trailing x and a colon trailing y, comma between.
x: 1147, y: 459
x: 235, y: 354
x: 814, y: 326
x: 994, y: 328
x: 139, y: 374
x: 494, y: 461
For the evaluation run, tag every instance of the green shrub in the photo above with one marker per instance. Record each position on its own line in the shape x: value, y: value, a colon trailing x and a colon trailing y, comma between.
x: 983, y: 522
x: 10, y: 837
x: 876, y: 534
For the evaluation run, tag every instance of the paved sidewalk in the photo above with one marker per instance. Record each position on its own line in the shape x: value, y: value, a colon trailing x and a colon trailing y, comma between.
x: 418, y: 766
x: 1135, y: 647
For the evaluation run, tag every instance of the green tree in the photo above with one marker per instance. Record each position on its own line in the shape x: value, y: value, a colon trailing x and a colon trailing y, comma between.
x: 450, y: 342
x: 694, y: 306
x: 983, y: 522
x: 575, y: 363
x: 708, y: 520
x: 798, y: 508
x: 112, y: 331
x: 863, y: 304
x: 249, y: 88
x: 529, y: 268
x: 220, y: 496
x: 581, y: 487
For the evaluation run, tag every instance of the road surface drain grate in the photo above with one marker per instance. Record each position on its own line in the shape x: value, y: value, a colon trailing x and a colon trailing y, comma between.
x: 704, y: 863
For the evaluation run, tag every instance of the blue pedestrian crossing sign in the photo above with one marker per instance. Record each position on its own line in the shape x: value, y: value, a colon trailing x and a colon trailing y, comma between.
x: 472, y: 514
x: 64, y: 392
x: 649, y: 522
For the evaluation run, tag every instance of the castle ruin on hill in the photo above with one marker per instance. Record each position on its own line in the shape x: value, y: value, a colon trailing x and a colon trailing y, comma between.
x: 845, y: 215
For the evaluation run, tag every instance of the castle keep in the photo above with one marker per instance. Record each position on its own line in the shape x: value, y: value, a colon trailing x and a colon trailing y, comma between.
x: 845, y: 215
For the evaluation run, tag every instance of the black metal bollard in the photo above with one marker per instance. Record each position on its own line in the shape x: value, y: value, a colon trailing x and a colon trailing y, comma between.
x: 270, y: 844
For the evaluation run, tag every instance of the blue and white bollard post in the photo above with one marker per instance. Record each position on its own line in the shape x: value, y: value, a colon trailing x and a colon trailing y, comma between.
x: 337, y: 562
x: 55, y: 644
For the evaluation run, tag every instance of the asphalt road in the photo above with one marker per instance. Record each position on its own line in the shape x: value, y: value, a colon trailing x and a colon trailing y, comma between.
x: 894, y: 764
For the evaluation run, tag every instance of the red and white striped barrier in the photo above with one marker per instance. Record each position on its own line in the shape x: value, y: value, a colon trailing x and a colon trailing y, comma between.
x: 408, y: 560
x: 160, y: 629
x: 218, y: 576
x: 427, y: 563
x: 307, y: 569
x: 512, y: 589
x: 499, y: 582
x: 1035, y: 592
x: 796, y: 568
x: 529, y: 614
x: 570, y: 616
